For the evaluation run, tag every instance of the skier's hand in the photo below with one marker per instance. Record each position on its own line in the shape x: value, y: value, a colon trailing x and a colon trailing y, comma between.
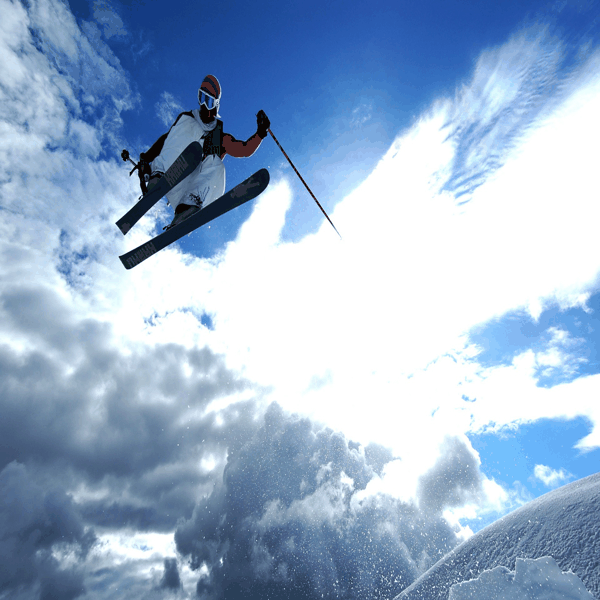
x: 263, y: 124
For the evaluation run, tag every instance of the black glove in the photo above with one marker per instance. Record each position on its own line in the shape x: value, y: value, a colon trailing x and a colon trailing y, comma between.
x: 262, y: 123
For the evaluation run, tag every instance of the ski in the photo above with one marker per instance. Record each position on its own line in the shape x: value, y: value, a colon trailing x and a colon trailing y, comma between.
x: 242, y: 193
x: 183, y: 166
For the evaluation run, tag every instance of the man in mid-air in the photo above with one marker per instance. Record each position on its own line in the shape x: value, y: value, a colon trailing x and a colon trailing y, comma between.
x: 207, y: 182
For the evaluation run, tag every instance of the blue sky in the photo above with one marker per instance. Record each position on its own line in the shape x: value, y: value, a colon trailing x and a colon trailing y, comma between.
x: 216, y: 416
x: 311, y: 67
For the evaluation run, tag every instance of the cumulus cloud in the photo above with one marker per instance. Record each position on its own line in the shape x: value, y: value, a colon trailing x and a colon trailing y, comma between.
x: 36, y: 523
x: 293, y: 515
x: 136, y: 462
x: 454, y: 481
x: 170, y: 579
x: 140, y: 459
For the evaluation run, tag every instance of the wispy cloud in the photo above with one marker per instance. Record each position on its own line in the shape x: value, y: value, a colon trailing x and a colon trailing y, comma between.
x: 106, y: 15
x: 513, y: 86
x: 551, y: 477
x: 361, y: 115
x: 167, y: 108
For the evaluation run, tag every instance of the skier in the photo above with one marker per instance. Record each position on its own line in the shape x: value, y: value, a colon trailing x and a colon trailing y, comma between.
x: 207, y: 182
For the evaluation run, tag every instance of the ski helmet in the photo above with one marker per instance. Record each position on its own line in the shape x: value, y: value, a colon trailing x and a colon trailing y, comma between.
x: 209, y: 93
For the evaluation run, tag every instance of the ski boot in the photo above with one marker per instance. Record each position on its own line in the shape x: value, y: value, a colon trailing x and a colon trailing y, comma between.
x: 184, y: 211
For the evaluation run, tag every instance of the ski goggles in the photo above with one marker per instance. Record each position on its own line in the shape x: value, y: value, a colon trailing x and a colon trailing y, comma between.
x: 207, y: 100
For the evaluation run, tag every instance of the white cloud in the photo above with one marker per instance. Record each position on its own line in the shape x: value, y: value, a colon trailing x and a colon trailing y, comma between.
x: 167, y: 109
x: 551, y: 477
x: 416, y: 270
x: 508, y: 395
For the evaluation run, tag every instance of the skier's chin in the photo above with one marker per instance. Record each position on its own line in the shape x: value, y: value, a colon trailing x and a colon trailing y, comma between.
x: 206, y: 116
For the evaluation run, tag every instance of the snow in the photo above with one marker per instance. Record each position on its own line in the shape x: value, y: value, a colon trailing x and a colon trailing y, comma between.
x: 532, y: 579
x: 548, y: 549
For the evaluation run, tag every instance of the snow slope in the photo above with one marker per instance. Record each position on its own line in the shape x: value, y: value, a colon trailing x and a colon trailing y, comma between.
x: 533, y: 579
x: 563, y: 524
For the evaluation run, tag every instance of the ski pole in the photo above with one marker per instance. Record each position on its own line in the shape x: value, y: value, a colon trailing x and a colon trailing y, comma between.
x: 125, y: 156
x: 304, y: 182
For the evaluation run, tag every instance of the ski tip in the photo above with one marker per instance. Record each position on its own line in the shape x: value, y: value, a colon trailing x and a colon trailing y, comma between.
x: 264, y: 174
x: 124, y: 227
x: 135, y: 257
x: 124, y: 263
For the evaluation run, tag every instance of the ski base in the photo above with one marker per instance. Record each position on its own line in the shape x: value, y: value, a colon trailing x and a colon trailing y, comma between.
x: 184, y: 165
x: 242, y: 193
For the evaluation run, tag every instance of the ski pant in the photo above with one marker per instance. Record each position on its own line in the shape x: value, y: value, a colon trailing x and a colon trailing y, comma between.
x: 207, y: 182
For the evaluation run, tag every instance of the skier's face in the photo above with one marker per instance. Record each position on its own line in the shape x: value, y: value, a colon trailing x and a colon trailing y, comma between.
x: 207, y: 115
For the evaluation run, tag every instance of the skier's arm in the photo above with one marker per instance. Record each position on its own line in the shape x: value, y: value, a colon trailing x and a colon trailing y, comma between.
x: 240, y: 149
x: 155, y: 149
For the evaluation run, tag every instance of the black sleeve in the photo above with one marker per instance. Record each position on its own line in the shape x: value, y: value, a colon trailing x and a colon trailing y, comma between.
x: 156, y: 148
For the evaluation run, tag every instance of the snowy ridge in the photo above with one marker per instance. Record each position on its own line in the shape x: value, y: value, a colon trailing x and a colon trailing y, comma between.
x: 562, y: 524
x: 533, y: 579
